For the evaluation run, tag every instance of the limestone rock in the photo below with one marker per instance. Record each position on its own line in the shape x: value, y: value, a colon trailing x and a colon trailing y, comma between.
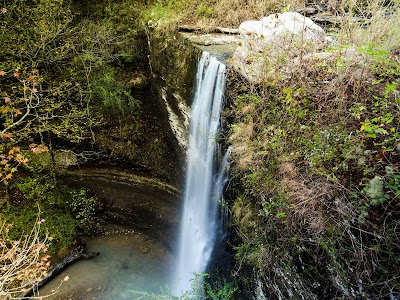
x: 65, y: 158
x: 274, y: 35
x: 308, y: 10
x: 277, y: 27
x: 211, y: 39
x: 139, y: 81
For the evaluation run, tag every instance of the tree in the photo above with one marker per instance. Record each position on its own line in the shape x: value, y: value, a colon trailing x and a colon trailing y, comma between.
x: 58, y: 71
x: 23, y: 261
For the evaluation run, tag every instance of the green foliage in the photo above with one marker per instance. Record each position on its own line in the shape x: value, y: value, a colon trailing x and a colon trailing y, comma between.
x: 204, y: 10
x: 163, y: 11
x: 37, y: 102
x: 41, y: 189
x: 212, y: 12
x: 67, y: 212
x: 61, y: 228
x: 202, y: 289
x: 114, y: 96
x: 393, y: 185
x: 46, y: 98
x: 220, y: 290
x: 63, y: 76
x: 82, y: 206
x: 316, y: 167
x: 41, y: 23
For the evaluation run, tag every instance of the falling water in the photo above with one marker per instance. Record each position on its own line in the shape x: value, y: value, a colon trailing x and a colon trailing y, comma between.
x: 204, y: 182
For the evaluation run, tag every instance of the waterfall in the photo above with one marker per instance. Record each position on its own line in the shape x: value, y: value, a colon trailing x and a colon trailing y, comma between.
x: 204, y: 182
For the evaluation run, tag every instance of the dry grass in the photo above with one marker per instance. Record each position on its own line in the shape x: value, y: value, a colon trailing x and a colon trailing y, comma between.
x: 244, y: 152
x: 228, y: 13
x: 307, y: 198
x: 234, y: 12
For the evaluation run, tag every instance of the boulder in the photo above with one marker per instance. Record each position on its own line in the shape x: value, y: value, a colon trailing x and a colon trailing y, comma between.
x: 64, y: 159
x: 285, y: 34
x: 138, y: 81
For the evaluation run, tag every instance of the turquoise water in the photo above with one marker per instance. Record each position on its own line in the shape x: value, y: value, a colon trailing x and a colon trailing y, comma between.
x: 128, y: 263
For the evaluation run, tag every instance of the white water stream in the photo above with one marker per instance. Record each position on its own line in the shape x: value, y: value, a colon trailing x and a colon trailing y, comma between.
x: 204, y: 183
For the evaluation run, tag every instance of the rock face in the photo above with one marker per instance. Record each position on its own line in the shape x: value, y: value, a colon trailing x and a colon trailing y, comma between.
x: 271, y: 36
x: 210, y: 38
x: 173, y: 63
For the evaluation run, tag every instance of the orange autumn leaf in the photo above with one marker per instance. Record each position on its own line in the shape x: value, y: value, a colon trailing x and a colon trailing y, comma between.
x: 9, y: 176
x: 38, y: 148
x: 5, y: 135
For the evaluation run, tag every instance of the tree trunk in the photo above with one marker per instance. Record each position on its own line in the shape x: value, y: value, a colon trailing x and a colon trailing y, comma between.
x: 75, y: 256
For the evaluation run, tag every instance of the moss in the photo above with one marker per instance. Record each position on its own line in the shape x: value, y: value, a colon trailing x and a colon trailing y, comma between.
x: 66, y: 212
x: 374, y: 188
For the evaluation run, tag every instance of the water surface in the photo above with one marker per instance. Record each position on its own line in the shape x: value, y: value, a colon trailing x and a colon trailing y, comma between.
x: 128, y: 262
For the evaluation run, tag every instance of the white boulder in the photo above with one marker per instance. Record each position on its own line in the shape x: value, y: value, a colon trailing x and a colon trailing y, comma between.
x: 275, y: 35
